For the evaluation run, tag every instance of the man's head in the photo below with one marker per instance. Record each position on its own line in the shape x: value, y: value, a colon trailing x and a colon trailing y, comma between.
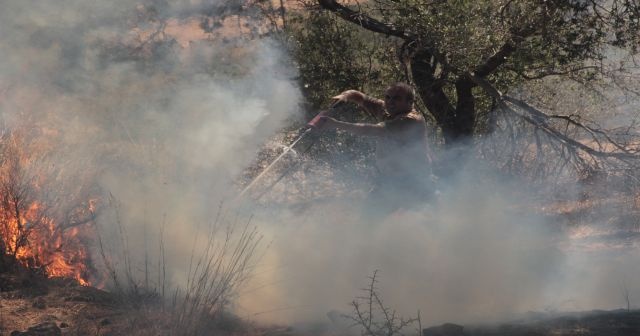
x: 398, y: 99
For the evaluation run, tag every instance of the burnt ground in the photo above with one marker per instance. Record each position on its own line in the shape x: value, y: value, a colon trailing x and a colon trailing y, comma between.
x: 605, y: 323
x: 32, y: 305
x: 63, y: 307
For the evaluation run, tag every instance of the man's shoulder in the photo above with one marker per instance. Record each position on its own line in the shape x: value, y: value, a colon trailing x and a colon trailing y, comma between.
x: 413, y: 117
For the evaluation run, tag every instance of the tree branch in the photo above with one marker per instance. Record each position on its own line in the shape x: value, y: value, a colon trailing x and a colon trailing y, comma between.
x: 548, y: 73
x: 540, y: 120
x: 364, y: 20
x: 508, y: 48
x: 495, y: 60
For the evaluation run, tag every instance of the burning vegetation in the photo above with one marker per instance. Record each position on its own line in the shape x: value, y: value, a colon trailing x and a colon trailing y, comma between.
x: 41, y: 228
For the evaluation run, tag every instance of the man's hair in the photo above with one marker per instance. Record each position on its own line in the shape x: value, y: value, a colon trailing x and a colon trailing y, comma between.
x: 408, y: 89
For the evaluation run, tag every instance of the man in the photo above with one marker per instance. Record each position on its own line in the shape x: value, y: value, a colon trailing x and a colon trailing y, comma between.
x: 402, y: 153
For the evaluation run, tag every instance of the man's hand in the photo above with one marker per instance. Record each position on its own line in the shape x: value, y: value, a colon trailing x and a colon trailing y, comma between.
x: 349, y: 96
x: 325, y: 122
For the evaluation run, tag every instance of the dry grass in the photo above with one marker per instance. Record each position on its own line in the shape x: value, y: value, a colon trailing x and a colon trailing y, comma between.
x: 218, y: 265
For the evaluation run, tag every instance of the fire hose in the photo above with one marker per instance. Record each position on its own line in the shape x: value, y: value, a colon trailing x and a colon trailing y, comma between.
x: 304, y: 132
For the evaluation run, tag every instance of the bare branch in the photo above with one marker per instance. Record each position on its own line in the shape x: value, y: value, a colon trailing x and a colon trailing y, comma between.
x: 497, y: 59
x: 548, y: 73
x: 364, y: 20
x: 389, y: 324
x: 541, y: 120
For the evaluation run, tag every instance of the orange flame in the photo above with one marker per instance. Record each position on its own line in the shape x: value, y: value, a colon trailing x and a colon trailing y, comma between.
x: 37, y: 242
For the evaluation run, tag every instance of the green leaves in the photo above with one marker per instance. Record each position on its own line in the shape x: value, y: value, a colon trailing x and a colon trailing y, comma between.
x: 507, y: 42
x: 333, y: 56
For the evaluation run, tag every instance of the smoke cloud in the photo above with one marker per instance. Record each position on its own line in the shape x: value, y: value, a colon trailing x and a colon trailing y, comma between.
x: 168, y: 127
x: 163, y: 126
x: 471, y: 256
x: 479, y: 253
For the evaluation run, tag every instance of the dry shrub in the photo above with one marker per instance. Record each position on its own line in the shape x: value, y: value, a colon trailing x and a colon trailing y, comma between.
x: 218, y: 265
x: 375, y: 318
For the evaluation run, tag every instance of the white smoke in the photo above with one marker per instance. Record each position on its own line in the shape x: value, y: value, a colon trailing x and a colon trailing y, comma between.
x: 168, y: 133
x: 471, y: 255
x: 165, y: 129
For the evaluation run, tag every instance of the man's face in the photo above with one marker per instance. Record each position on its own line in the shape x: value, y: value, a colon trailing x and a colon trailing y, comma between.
x: 397, y: 102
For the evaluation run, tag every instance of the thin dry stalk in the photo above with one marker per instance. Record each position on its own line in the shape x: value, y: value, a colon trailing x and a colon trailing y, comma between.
x: 375, y: 318
x: 218, y: 271
x: 218, y: 265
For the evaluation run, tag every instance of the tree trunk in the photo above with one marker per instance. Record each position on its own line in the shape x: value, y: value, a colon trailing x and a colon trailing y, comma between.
x: 282, y: 14
x: 456, y: 122
x: 465, y: 116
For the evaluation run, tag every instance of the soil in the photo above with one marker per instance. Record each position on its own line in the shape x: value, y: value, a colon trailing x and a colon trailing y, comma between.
x: 597, y: 322
x: 33, y: 305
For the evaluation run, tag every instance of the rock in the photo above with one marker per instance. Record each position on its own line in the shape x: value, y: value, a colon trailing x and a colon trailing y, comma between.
x: 447, y: 329
x: 105, y: 322
x: 339, y: 319
x: 42, y: 329
x: 64, y: 325
x: 39, y: 303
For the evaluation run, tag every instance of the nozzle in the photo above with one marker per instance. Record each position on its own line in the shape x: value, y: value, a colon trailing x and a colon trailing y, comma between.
x: 315, y: 122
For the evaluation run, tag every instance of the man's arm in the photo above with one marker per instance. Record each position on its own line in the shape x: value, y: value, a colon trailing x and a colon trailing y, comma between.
x: 372, y: 105
x: 355, y: 128
x: 429, y: 155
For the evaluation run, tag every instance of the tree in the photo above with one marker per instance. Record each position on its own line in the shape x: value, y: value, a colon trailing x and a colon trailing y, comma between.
x: 461, y: 54
x: 486, y: 65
